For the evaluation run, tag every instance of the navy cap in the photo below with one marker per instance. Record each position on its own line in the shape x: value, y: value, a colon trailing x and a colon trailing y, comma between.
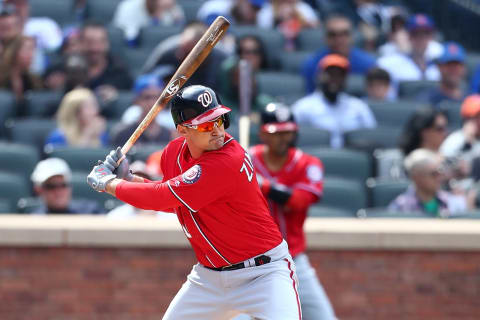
x: 452, y: 51
x: 420, y: 21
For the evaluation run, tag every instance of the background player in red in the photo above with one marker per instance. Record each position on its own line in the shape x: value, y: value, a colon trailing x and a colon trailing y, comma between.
x: 209, y: 182
x: 291, y: 181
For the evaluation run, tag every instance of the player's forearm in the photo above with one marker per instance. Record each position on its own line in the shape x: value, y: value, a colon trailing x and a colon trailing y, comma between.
x: 112, y: 185
x: 150, y: 196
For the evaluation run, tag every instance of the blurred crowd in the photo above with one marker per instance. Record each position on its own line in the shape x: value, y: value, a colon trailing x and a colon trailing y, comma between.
x: 375, y: 77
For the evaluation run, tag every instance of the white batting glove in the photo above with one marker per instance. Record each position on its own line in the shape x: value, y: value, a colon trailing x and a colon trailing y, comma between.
x: 99, y: 177
x: 122, y: 170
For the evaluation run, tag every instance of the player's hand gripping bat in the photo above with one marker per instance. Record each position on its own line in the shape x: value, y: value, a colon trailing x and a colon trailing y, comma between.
x: 198, y: 54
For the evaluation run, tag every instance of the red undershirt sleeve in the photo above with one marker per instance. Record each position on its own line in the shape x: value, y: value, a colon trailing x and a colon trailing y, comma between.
x: 301, y: 200
x: 149, y: 196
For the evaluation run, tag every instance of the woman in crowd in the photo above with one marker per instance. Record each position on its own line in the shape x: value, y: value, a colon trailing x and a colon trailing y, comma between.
x: 79, y: 123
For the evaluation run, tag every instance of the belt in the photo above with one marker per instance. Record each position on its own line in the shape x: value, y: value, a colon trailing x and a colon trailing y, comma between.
x: 260, y: 260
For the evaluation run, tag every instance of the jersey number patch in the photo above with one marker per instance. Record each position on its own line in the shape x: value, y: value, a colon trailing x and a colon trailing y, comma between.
x: 247, y: 167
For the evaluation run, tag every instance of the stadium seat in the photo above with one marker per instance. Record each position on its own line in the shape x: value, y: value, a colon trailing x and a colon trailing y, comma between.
x: 81, y: 190
x: 6, y: 206
x: 343, y: 194
x: 151, y: 36
x: 384, y: 192
x: 59, y: 10
x: 394, y: 114
x: 18, y: 159
x: 115, y: 109
x: 453, y: 112
x: 311, y: 39
x: 355, y: 85
x: 467, y: 215
x: 319, y: 210
x: 343, y: 163
x: 40, y: 104
x: 280, y: 85
x: 292, y: 62
x: 101, y: 11
x: 28, y: 204
x: 313, y: 137
x: 411, y: 89
x: 143, y: 152
x: 7, y: 109
x: 472, y: 62
x: 116, y: 39
x: 135, y: 59
x: 190, y: 8
x: 370, y: 139
x: 30, y: 131
x: 272, y: 40
x: 79, y: 159
x: 12, y: 188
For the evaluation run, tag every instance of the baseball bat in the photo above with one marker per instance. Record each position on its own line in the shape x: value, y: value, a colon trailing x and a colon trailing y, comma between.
x: 245, y: 95
x: 193, y: 60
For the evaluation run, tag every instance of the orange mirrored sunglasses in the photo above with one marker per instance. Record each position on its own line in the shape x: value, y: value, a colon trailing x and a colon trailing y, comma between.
x: 206, y: 126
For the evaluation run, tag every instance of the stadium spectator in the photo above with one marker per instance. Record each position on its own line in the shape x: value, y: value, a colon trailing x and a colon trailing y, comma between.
x: 378, y: 84
x: 46, y: 32
x: 424, y: 168
x: 375, y: 20
x: 79, y: 123
x: 415, y: 65
x: 10, y: 27
x: 238, y: 12
x: 251, y: 49
x: 289, y: 17
x: 465, y: 142
x: 338, y: 32
x: 106, y: 73
x: 69, y: 75
x: 15, y: 64
x: 397, y: 39
x: 427, y: 128
x: 173, y: 50
x: 51, y: 180
x: 133, y: 15
x: 147, y: 90
x: 452, y: 70
x: 329, y: 107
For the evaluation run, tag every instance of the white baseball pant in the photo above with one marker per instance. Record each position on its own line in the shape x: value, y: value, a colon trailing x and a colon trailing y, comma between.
x: 266, y: 292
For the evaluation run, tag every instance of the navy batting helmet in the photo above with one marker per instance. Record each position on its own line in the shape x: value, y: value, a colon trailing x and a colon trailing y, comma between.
x: 277, y: 117
x: 197, y: 104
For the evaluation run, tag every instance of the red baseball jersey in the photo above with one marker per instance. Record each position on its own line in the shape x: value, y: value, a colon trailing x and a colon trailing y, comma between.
x: 223, y: 213
x: 303, y: 174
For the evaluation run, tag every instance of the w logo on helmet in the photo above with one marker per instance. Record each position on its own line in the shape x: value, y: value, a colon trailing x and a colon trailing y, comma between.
x: 205, y: 99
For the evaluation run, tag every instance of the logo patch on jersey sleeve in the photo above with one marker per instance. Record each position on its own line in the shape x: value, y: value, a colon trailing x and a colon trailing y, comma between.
x: 314, y: 173
x: 192, y: 175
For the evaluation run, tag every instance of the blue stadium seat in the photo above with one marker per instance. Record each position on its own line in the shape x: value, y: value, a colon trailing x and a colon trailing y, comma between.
x: 356, y: 85
x: 343, y: 163
x: 370, y: 139
x: 280, y: 85
x: 7, y: 109
x: 311, y: 39
x: 59, y: 10
x: 81, y: 190
x: 30, y: 131
x: 18, y: 159
x: 322, y: 211
x: 115, y: 109
x: 292, y: 62
x: 411, y: 89
x: 395, y: 113
x: 102, y: 10
x: 12, y: 188
x: 150, y: 37
x: 41, y: 104
x: 344, y: 194
x: 312, y: 137
x: 384, y: 192
x: 79, y: 159
x: 384, y: 213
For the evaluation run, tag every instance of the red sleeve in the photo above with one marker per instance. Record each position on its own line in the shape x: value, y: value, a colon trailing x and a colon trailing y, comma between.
x: 149, y: 196
x: 212, y: 178
x: 301, y: 200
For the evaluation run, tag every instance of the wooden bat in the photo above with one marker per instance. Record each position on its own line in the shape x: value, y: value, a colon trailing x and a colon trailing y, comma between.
x: 198, y: 54
x: 245, y: 95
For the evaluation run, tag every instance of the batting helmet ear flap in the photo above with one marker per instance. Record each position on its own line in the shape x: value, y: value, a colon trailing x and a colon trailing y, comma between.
x: 226, y: 120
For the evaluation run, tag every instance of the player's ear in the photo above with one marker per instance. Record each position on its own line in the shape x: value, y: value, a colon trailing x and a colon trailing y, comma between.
x: 181, y: 130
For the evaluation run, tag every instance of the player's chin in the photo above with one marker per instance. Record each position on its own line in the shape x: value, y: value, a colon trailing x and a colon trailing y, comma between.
x: 217, y: 142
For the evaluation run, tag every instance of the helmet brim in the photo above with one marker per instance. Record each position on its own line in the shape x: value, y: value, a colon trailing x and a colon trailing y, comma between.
x: 210, y: 115
x: 279, y: 127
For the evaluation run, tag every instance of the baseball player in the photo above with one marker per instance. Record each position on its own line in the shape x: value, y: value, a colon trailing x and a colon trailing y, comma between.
x: 291, y: 181
x: 209, y: 182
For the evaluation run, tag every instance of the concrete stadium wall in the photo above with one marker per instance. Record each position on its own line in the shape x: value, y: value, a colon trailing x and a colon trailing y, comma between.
x: 80, y: 268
